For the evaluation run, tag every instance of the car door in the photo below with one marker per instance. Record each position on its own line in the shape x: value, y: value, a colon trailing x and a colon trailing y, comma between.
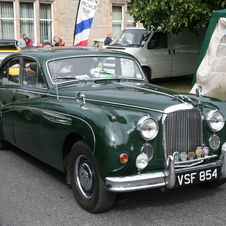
x: 9, y: 81
x: 28, y: 107
x: 158, y: 55
x: 185, y: 53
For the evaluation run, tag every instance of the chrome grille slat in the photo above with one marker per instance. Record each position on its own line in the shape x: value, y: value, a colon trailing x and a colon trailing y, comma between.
x: 182, y: 131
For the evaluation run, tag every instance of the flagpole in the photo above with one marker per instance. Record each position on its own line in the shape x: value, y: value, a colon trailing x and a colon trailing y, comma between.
x: 76, y: 22
x: 84, y: 18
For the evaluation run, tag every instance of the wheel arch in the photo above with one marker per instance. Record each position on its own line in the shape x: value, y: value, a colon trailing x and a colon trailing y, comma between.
x: 148, y: 72
x: 68, y: 144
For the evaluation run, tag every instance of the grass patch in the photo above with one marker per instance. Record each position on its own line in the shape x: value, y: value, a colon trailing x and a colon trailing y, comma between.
x: 179, y: 84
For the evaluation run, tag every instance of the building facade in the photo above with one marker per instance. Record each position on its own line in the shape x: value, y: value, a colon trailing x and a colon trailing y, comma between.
x: 43, y: 19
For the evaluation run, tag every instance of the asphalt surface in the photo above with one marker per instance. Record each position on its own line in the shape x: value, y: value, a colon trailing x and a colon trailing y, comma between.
x: 34, y: 194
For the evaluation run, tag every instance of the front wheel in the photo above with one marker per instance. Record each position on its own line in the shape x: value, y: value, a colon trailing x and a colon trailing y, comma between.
x: 87, y: 185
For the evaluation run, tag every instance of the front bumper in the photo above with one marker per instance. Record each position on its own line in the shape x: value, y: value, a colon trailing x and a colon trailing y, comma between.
x: 161, y: 179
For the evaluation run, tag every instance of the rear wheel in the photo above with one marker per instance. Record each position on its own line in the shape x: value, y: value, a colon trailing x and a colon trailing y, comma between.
x: 87, y: 185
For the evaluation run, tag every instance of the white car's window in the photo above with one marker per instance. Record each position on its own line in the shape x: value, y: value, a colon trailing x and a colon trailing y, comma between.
x: 93, y: 68
x: 131, y: 38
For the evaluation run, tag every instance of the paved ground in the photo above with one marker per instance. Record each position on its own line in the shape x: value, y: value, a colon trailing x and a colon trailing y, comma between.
x: 34, y: 194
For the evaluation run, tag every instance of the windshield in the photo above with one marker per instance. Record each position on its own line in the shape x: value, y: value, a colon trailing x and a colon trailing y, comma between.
x: 131, y: 37
x: 84, y: 68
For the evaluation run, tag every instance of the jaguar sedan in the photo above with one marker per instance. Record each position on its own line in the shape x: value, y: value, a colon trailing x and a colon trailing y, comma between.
x: 92, y: 114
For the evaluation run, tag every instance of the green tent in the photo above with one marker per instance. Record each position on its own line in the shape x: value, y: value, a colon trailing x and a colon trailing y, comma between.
x: 207, y: 44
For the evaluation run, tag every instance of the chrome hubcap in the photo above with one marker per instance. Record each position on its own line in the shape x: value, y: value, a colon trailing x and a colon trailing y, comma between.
x: 84, y: 176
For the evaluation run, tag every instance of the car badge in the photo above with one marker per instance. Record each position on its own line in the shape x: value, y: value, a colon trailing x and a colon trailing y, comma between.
x: 176, y: 156
x: 206, y: 151
x: 191, y: 155
x: 183, y: 156
x: 199, y: 152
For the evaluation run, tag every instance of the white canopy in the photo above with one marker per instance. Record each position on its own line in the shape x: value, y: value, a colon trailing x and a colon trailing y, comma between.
x: 211, y: 73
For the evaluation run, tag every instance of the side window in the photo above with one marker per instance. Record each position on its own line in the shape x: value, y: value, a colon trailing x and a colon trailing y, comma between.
x: 33, y: 76
x: 158, y: 41
x: 11, y: 73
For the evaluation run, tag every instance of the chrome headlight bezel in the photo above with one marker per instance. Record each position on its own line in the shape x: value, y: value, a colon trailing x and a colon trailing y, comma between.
x: 148, y: 128
x: 215, y: 120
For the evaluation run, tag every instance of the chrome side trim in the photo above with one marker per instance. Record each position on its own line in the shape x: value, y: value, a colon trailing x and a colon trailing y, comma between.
x: 124, y: 105
x: 141, y: 88
x: 28, y: 91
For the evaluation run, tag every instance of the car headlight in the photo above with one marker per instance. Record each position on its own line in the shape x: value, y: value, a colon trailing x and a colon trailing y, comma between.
x: 141, y: 161
x: 215, y: 120
x: 148, y: 128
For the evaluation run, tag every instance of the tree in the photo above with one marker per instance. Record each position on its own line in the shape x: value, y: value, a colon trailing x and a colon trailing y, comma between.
x: 174, y: 15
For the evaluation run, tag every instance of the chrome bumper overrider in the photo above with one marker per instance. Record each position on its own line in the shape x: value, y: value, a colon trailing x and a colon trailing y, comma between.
x: 161, y: 179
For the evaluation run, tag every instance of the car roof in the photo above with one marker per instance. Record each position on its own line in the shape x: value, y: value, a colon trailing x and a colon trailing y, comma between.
x: 8, y: 44
x: 134, y: 28
x: 48, y: 53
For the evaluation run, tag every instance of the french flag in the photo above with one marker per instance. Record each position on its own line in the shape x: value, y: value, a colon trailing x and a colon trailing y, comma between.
x: 84, y: 19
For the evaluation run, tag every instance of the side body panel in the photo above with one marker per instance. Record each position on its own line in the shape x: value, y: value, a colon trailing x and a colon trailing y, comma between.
x: 185, y: 48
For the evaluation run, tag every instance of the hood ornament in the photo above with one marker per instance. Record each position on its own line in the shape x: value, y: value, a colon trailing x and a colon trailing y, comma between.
x: 185, y: 98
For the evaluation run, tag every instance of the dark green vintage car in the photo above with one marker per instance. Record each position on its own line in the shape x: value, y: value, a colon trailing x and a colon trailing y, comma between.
x: 92, y: 114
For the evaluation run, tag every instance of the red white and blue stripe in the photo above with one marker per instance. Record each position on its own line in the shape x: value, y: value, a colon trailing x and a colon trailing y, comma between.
x: 84, y: 19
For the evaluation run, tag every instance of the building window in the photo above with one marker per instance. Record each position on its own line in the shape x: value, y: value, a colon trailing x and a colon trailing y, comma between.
x: 120, y: 19
x: 7, y: 20
x: 117, y: 20
x: 45, y: 22
x: 27, y: 19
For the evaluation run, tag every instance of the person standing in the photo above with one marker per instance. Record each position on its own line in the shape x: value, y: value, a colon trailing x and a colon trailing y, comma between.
x: 28, y: 41
x: 108, y: 40
x: 58, y: 41
x: 22, y: 42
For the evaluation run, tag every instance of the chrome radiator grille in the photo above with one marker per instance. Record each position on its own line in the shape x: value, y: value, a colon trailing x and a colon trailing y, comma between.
x: 182, y: 131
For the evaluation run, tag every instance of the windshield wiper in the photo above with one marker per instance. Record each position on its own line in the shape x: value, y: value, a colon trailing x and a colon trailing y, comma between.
x: 66, y: 77
x: 117, y: 78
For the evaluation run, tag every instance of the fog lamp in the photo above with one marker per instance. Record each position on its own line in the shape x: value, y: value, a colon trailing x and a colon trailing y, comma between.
x: 141, y: 161
x: 214, y: 142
